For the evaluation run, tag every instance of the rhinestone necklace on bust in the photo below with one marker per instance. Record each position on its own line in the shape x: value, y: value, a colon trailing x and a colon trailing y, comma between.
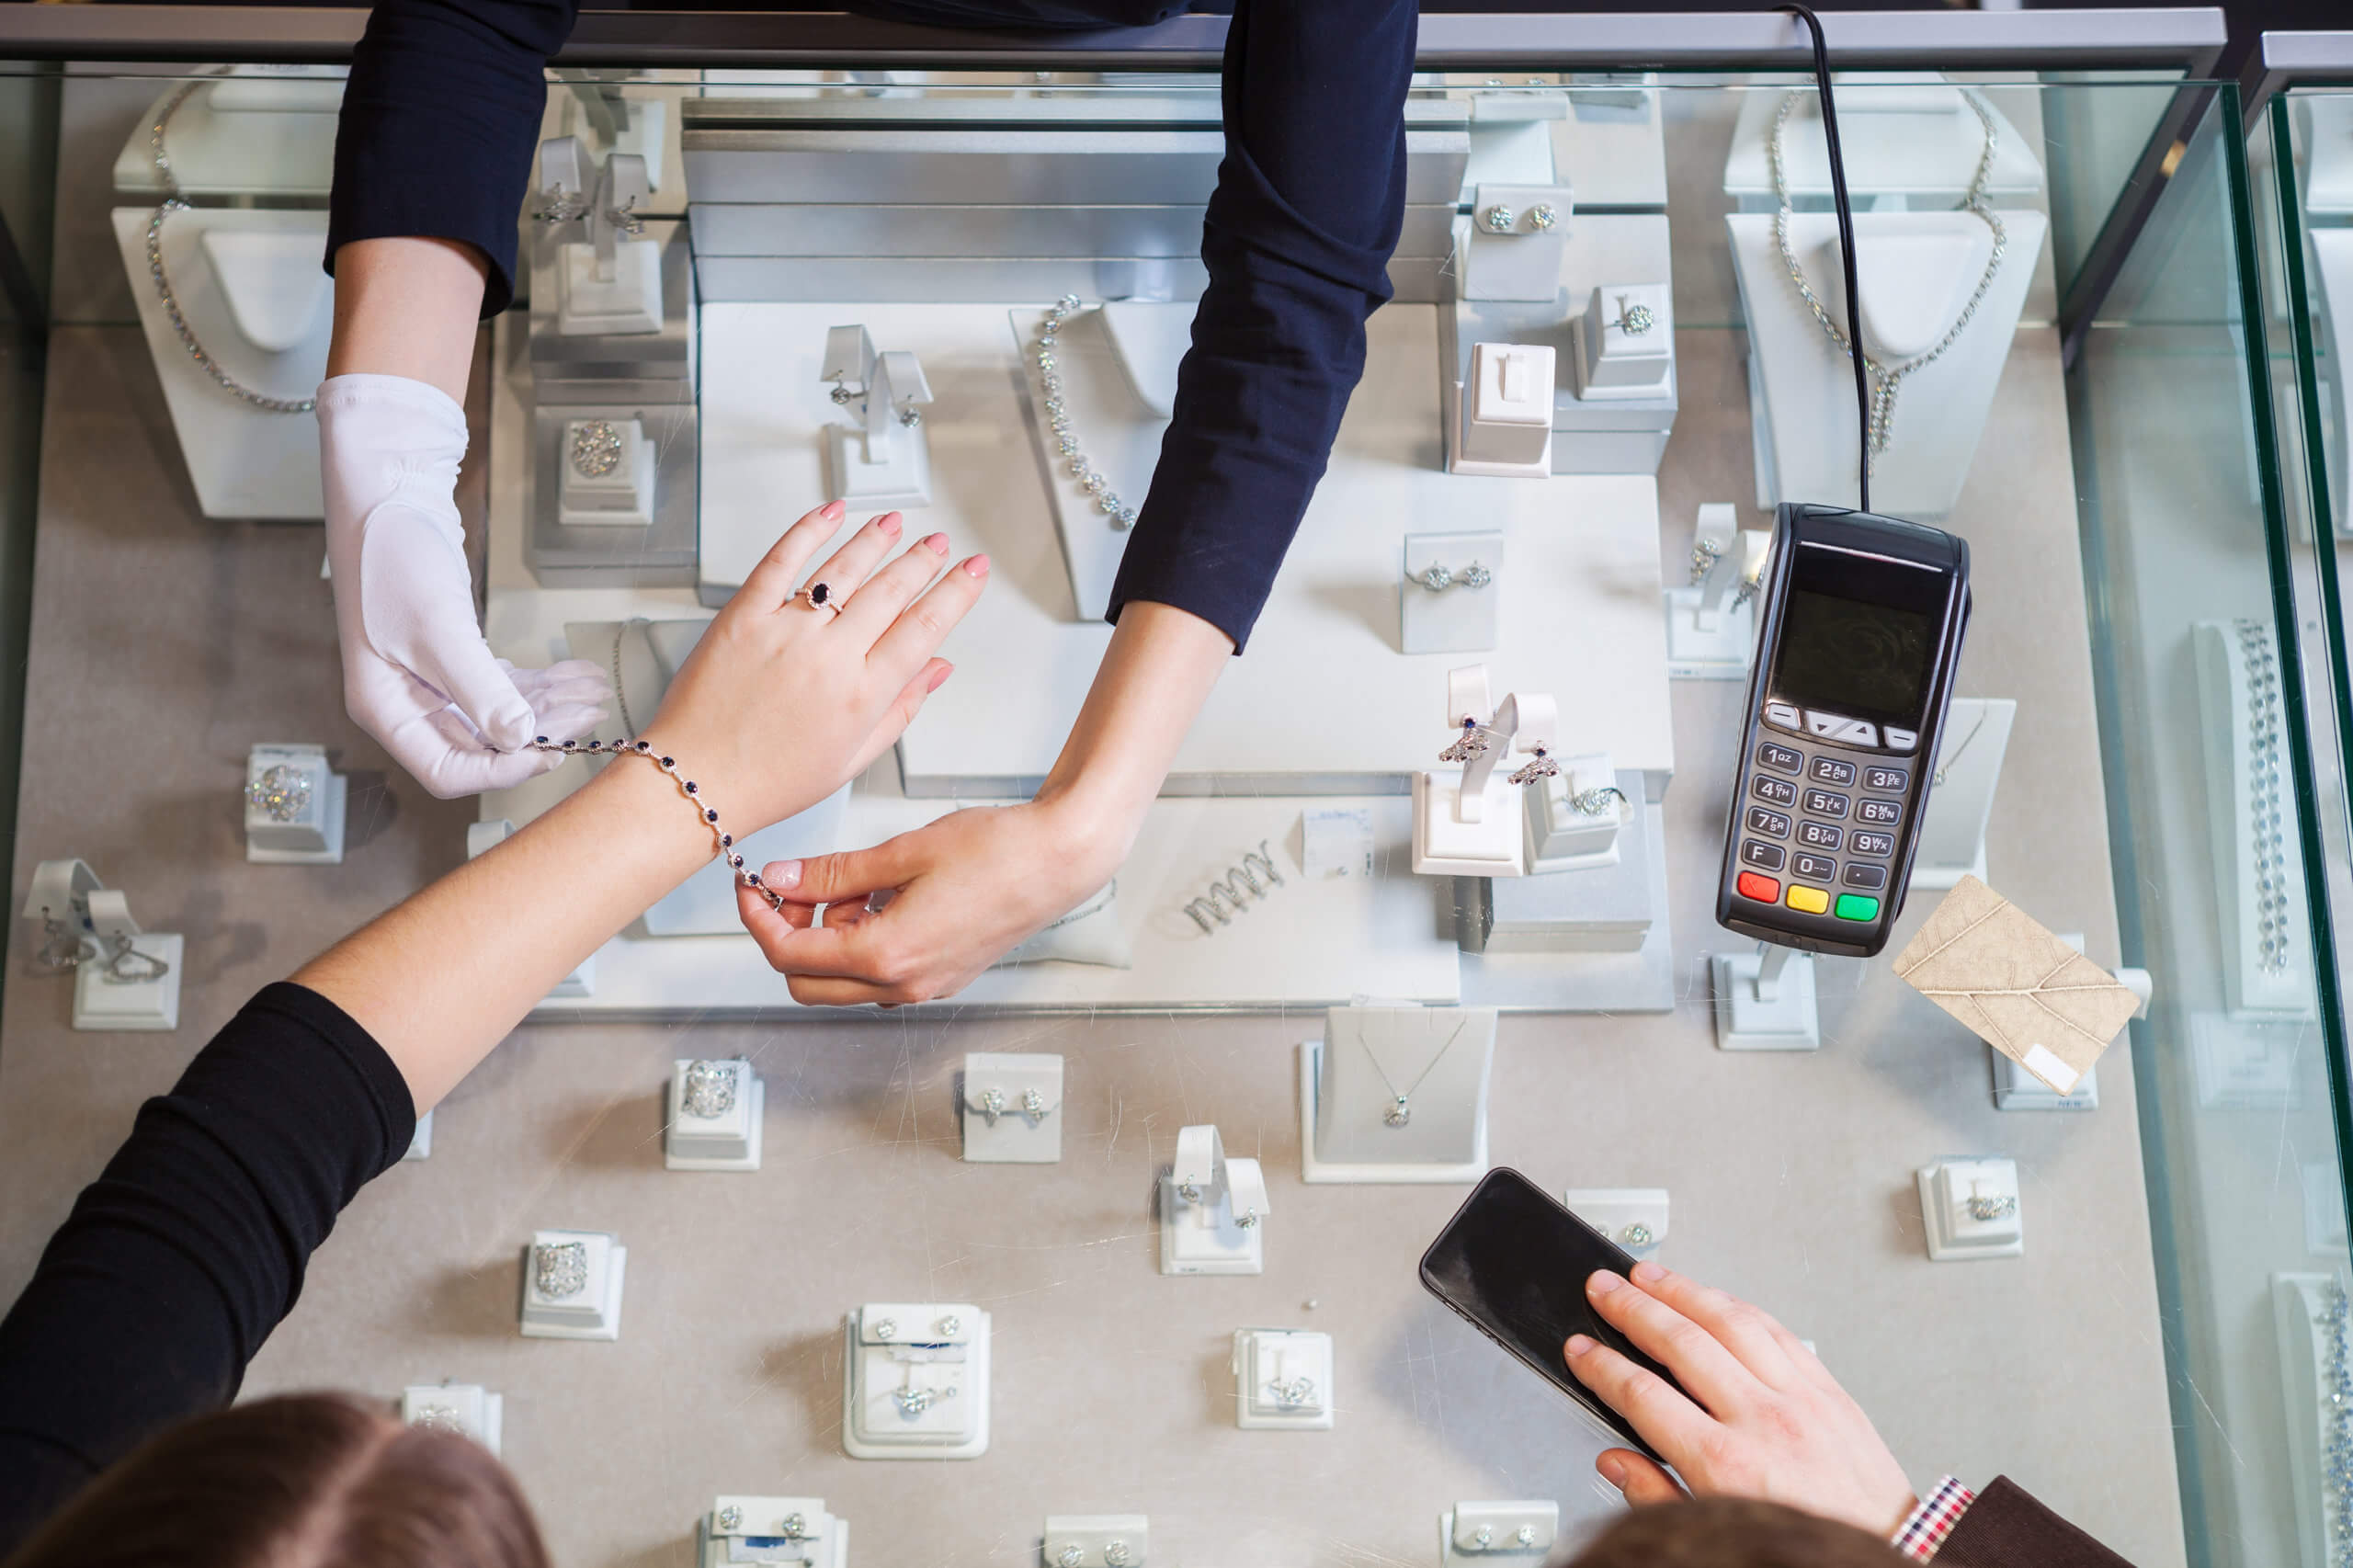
x: 1400, y: 1111
x: 2336, y: 1407
x: 172, y: 203
x: 2265, y: 843
x: 1050, y: 382
x: 1887, y: 380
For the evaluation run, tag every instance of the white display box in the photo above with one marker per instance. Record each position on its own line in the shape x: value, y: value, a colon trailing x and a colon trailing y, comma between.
x: 1633, y: 1217
x: 315, y: 836
x: 1283, y: 1380
x: 789, y: 1532
x: 1562, y: 838
x: 466, y: 1408
x: 105, y: 1005
x: 1500, y: 414
x: 1017, y: 1130
x: 627, y: 301
x: 1445, y: 846
x: 1955, y: 1234
x: 916, y: 1382
x: 593, y: 1312
x: 727, y: 1142
x: 1474, y: 1535
x: 1097, y: 1540
x: 1754, y: 1012
x: 621, y: 498
x: 1612, y: 362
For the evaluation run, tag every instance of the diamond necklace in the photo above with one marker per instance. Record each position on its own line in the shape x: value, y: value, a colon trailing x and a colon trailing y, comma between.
x: 1887, y: 381
x: 1399, y: 1112
x: 172, y: 203
x: 1050, y: 382
x: 2267, y: 845
x: 2336, y: 1406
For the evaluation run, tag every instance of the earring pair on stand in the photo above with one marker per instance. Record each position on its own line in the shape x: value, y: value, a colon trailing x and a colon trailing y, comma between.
x: 1477, y: 740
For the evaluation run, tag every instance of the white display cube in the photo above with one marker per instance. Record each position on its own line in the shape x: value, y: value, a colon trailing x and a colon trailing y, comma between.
x: 1624, y: 343
x: 294, y: 806
x: 1283, y: 1380
x: 1970, y: 1208
x: 627, y: 300
x: 584, y: 1301
x: 714, y: 1116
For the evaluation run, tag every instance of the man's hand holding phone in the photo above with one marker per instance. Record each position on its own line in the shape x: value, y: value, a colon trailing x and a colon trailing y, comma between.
x: 1763, y: 1417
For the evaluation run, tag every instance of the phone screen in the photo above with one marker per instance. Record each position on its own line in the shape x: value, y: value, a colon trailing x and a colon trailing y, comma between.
x: 1514, y: 1261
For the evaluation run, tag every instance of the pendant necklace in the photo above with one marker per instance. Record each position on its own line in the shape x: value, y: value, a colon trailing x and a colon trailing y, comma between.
x: 1888, y: 379
x: 1399, y: 1110
x: 1944, y: 764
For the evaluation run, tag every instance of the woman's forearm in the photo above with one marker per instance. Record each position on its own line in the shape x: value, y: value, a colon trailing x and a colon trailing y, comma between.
x: 1159, y: 669
x: 443, y: 977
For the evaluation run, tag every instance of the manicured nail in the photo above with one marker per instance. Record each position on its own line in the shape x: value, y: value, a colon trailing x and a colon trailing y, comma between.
x: 834, y: 509
x: 1649, y: 1273
x: 936, y: 544
x: 781, y: 875
x: 888, y: 522
x: 1578, y: 1345
x: 941, y: 678
x: 978, y: 567
x: 1613, y: 1470
x: 1602, y: 1282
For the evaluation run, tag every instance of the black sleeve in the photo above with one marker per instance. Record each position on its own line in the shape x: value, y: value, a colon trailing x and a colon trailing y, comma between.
x: 441, y: 120
x: 2006, y: 1528
x: 177, y: 1263
x: 1308, y: 206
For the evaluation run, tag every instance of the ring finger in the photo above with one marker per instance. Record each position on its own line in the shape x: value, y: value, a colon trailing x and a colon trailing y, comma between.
x: 844, y: 568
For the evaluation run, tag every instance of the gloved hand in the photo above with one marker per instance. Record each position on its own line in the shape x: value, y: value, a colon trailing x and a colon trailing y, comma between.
x: 416, y: 672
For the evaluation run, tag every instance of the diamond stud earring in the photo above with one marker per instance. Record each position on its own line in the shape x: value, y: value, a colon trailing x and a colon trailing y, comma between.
x: 1498, y: 219
x: 1436, y: 577
x: 731, y: 1518
x: 1542, y: 218
x: 1477, y: 576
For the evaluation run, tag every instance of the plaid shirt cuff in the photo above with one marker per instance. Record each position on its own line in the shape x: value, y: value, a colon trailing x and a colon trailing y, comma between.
x: 1925, y: 1528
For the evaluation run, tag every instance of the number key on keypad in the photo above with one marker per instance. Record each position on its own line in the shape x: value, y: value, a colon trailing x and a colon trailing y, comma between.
x: 1772, y: 824
x: 1817, y: 834
x: 1789, y: 759
x: 1766, y: 857
x: 1815, y: 868
x: 1884, y: 778
x: 1823, y: 803
x: 1830, y: 770
x: 1778, y: 792
x: 1873, y: 843
x: 1887, y: 813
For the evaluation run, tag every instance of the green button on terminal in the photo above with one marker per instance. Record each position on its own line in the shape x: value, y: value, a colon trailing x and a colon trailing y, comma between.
x: 1854, y: 906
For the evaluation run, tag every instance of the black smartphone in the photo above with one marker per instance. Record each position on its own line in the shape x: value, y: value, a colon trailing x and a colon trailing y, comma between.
x: 1514, y: 1260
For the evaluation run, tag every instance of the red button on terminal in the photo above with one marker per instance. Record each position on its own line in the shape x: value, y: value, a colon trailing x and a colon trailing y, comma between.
x: 1764, y: 890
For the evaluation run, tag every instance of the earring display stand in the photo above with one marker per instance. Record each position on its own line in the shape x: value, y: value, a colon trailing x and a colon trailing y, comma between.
x: 1914, y: 267
x: 1711, y: 632
x: 1098, y: 1537
x: 481, y: 1414
x: 728, y: 1141
x: 795, y: 1532
x: 1470, y: 825
x: 881, y: 456
x: 242, y: 461
x: 2250, y: 801
x: 1213, y: 1210
x: 606, y: 285
x: 1459, y: 617
x: 1008, y: 1133
x: 1485, y: 1535
x: 149, y: 1000
x: 1976, y: 738
x: 1633, y: 1217
x: 1521, y: 260
x: 1764, y: 1000
x: 916, y: 1380
x: 1440, y: 1059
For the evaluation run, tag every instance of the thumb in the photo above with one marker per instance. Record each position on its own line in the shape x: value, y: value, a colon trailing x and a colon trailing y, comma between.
x: 841, y: 876
x: 462, y: 668
x: 1642, y: 1481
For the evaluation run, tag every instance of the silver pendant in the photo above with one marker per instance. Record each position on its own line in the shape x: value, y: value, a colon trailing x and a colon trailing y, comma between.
x: 1399, y: 1114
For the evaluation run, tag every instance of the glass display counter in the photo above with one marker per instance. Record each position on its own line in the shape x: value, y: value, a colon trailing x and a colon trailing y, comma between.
x: 757, y: 281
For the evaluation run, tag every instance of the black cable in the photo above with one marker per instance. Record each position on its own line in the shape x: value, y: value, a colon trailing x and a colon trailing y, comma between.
x: 1846, y: 246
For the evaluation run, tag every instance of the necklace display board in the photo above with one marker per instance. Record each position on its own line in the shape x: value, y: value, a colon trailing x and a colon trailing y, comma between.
x: 2259, y: 875
x: 1396, y: 1094
x: 255, y: 130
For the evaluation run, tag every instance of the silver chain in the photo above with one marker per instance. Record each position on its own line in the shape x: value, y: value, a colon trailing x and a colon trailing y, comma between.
x: 1050, y: 380
x: 1399, y: 1112
x: 1887, y: 381
x: 2266, y: 843
x: 172, y: 203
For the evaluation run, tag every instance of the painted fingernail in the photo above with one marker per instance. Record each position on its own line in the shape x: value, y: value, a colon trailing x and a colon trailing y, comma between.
x: 1613, y: 1470
x: 978, y: 567
x: 781, y: 875
x: 1578, y: 1345
x: 834, y: 509
x: 941, y: 678
x: 936, y: 544
x: 1602, y: 1282
x: 888, y: 522
x: 1649, y: 1273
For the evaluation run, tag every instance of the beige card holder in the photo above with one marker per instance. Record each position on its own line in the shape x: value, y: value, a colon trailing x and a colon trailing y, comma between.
x: 2031, y: 996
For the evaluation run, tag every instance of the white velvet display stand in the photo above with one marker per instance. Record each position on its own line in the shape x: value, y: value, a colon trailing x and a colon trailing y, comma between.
x: 2301, y: 1304
x: 1462, y: 617
x: 314, y: 836
x: 935, y: 1351
x: 249, y: 287
x: 1097, y: 1540
x: 1976, y: 738
x: 1708, y: 636
x: 1014, y: 1129
x: 879, y: 454
x: 1345, y: 1134
x: 1764, y: 1000
x: 1916, y: 272
x: 1954, y: 1235
x: 593, y: 1311
x: 1470, y: 825
x: 1283, y: 1380
x: 728, y: 1141
x: 797, y: 1532
x: 481, y: 1414
x: 1213, y: 1210
x: 2250, y: 991
x: 1493, y: 1535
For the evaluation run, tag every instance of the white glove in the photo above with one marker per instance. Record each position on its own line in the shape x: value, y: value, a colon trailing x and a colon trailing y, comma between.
x: 416, y: 673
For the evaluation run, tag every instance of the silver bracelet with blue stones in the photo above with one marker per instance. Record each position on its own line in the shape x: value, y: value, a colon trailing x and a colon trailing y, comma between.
x: 688, y: 787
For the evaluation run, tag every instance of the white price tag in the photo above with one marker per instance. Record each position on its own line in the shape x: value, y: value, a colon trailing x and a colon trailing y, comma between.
x: 1336, y: 841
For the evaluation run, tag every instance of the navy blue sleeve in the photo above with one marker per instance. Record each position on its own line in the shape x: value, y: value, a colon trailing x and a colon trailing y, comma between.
x: 175, y: 1264
x: 440, y: 120
x: 1309, y: 202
